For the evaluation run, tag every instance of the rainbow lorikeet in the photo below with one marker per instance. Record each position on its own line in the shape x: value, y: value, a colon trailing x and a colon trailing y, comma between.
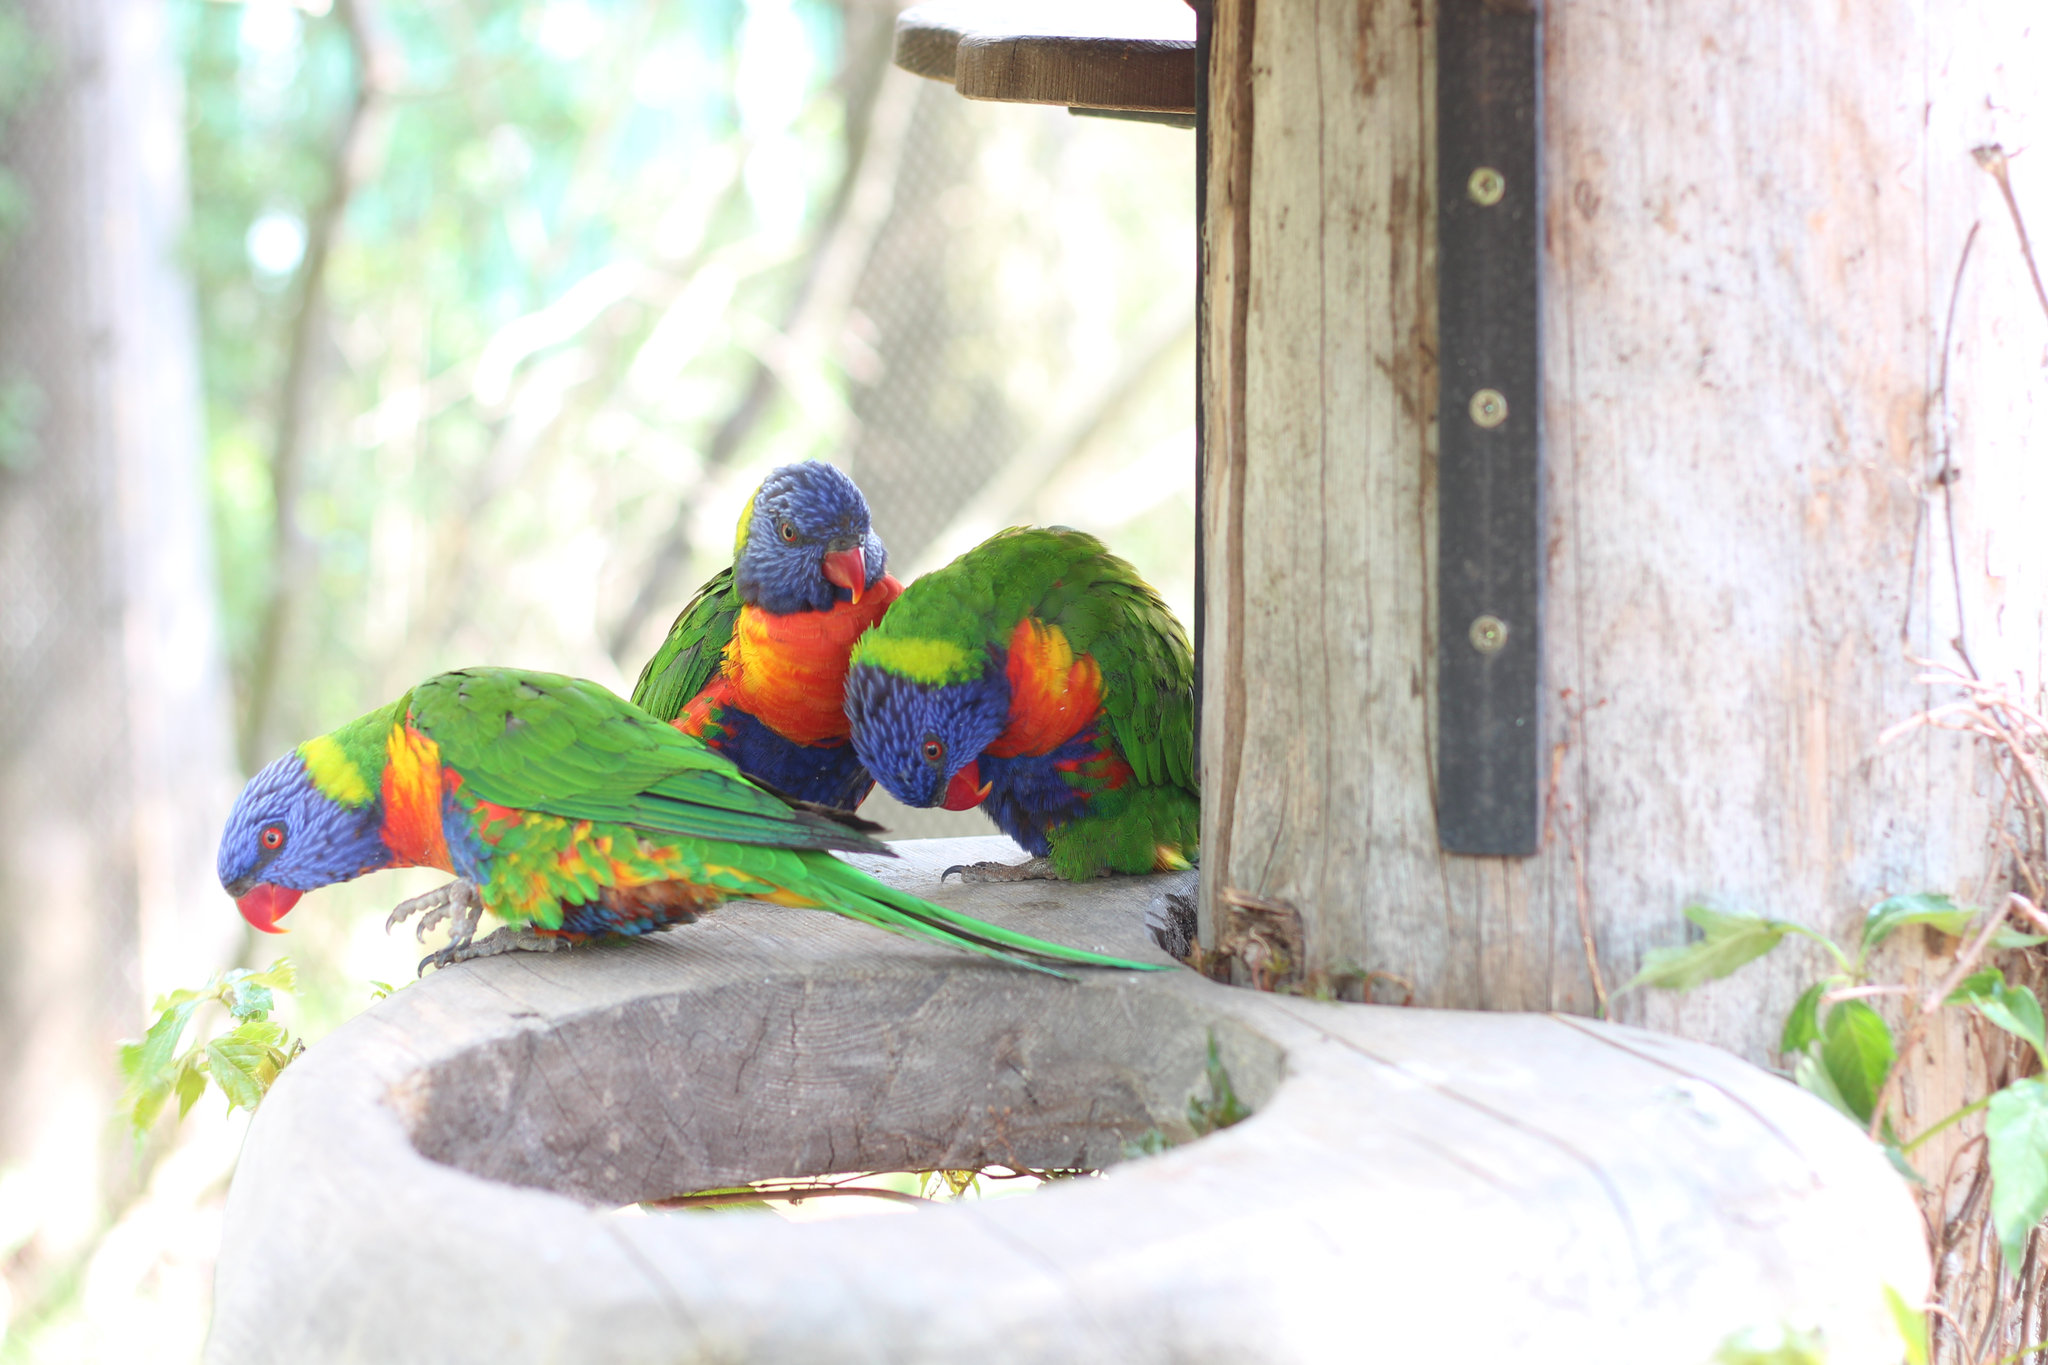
x: 755, y: 666
x: 566, y: 812
x: 1038, y: 677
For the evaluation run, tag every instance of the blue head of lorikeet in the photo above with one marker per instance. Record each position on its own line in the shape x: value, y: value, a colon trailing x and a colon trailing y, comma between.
x: 286, y: 835
x: 922, y: 740
x: 805, y: 543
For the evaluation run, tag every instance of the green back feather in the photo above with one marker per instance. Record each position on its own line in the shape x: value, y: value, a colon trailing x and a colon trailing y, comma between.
x: 690, y: 657
x: 563, y: 746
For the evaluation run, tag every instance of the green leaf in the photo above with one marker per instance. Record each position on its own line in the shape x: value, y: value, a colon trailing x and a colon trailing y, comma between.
x: 144, y: 1063
x: 2016, y: 1126
x: 247, y: 1000
x: 180, y: 997
x: 1150, y: 1143
x: 1889, y: 916
x: 1977, y: 985
x: 191, y: 1081
x: 1902, y: 1164
x: 2018, y: 1012
x: 144, y: 1105
x: 261, y: 1032
x: 1729, y: 940
x: 2008, y: 937
x: 280, y: 975
x: 1802, y: 1025
x: 1856, y: 1048
x: 2013, y: 1008
x: 1811, y: 1076
x: 242, y: 1068
x: 1223, y: 1107
x: 1912, y: 1325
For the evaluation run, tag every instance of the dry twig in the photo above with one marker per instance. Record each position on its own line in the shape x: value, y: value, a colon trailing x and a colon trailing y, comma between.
x: 794, y: 1194
x: 1992, y: 158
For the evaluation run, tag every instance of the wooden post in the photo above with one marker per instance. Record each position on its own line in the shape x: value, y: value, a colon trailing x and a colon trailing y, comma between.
x: 1752, y: 233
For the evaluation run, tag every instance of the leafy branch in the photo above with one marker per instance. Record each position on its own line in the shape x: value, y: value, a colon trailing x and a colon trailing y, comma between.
x: 242, y: 1062
x: 1844, y: 1050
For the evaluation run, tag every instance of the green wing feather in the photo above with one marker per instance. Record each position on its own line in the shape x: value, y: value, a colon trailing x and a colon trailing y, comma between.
x: 690, y: 657
x: 1148, y: 671
x: 853, y: 893
x: 563, y: 746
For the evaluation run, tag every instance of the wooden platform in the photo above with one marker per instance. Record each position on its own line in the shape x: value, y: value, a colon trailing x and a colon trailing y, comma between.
x: 439, y: 1180
x: 1136, y: 55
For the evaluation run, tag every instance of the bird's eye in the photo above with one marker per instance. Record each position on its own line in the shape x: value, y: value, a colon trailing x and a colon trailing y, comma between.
x: 272, y: 837
x: 934, y: 749
x: 787, y: 530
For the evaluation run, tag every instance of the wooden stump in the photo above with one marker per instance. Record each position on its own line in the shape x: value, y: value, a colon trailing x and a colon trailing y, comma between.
x: 439, y: 1180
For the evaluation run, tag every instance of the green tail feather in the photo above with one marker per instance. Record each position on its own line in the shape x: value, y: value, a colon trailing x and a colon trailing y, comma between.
x: 859, y: 896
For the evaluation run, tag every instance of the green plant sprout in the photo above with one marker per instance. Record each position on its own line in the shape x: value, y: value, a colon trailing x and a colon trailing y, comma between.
x: 1777, y: 1346
x: 1220, y: 1110
x: 1787, y: 1345
x: 1844, y: 1051
x: 243, y: 1062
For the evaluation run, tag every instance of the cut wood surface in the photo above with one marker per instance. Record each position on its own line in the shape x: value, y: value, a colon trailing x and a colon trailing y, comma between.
x: 439, y: 1181
x: 1126, y: 54
x: 1752, y: 240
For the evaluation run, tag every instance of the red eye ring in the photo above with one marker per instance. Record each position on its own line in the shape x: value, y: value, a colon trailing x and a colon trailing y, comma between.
x: 272, y: 837
x: 934, y: 750
x: 788, y: 531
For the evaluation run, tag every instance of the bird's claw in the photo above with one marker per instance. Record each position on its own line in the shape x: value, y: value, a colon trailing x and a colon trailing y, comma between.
x: 490, y: 945
x: 1030, y: 870
x: 458, y: 903
x: 431, y: 902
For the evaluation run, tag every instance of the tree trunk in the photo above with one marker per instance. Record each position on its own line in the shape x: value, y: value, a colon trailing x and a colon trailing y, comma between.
x: 113, y: 721
x: 1752, y: 226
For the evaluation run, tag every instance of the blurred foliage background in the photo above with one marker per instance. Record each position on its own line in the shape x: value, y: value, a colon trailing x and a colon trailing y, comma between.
x: 502, y: 309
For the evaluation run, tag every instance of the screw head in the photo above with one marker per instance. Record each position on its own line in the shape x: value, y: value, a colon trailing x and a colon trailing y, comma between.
x: 1489, y: 634
x: 1486, y: 187
x: 1489, y: 408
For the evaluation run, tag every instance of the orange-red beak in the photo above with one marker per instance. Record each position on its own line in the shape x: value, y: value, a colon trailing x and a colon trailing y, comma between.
x: 966, y: 790
x: 848, y: 569
x: 264, y: 905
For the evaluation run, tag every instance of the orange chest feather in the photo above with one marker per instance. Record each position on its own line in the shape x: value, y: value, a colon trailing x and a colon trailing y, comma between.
x: 1053, y: 694
x: 789, y: 672
x: 412, y: 790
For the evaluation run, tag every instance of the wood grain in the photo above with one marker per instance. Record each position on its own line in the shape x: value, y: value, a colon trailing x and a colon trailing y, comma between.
x: 1130, y: 54
x: 434, y: 1181
x: 1320, y: 540
x: 1752, y: 230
